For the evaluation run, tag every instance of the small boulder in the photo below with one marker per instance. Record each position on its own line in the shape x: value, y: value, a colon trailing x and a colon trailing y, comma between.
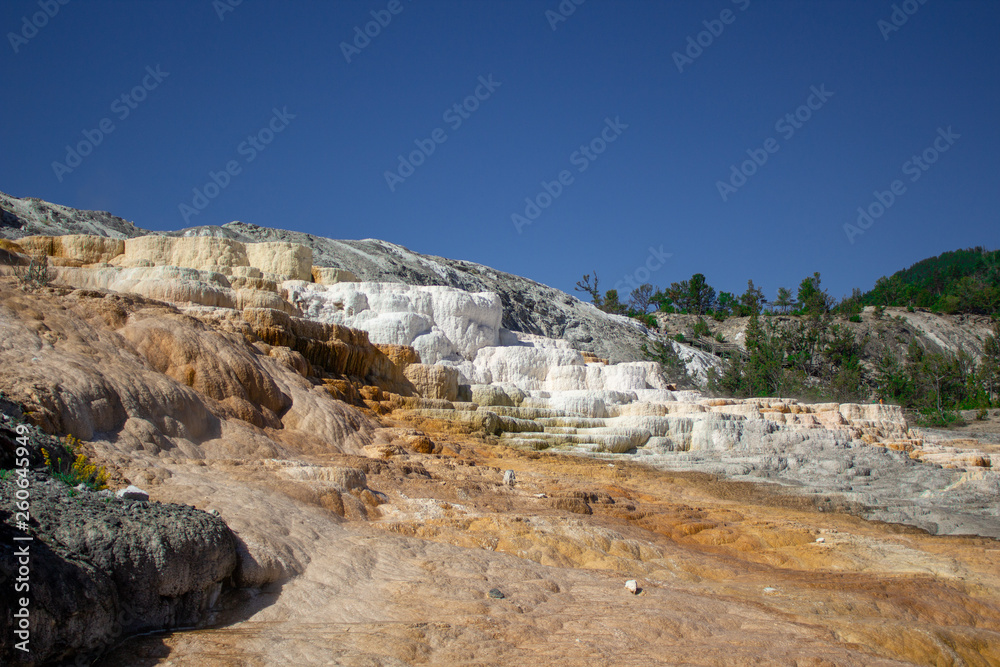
x: 496, y: 594
x: 633, y: 586
x: 509, y: 478
x: 132, y: 493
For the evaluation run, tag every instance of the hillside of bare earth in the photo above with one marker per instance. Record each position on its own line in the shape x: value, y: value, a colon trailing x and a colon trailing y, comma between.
x: 896, y: 327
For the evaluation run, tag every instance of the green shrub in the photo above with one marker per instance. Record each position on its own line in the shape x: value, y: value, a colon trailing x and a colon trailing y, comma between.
x: 701, y: 328
x: 646, y: 319
x: 719, y: 337
x: 939, y: 418
x: 680, y: 338
x: 854, y: 318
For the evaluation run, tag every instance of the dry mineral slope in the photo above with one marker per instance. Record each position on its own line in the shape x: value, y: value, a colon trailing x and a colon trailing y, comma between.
x: 371, y: 539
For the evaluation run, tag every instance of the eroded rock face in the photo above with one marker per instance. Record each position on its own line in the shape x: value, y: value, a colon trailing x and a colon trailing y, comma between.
x: 79, y: 248
x: 140, y: 377
x: 434, y: 381
x: 106, y: 568
x: 439, y: 322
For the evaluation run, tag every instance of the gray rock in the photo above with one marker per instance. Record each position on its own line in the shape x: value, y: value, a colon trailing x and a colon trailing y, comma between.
x: 101, y: 571
x: 509, y: 478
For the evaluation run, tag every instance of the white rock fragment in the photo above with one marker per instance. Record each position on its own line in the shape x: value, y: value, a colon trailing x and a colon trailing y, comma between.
x: 132, y: 493
x: 509, y: 478
x: 633, y: 586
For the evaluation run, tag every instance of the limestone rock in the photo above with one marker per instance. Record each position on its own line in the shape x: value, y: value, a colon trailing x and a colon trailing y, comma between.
x: 290, y: 260
x: 433, y: 381
x: 193, y: 354
x: 325, y: 275
x: 82, y: 248
x: 439, y: 322
x: 489, y: 394
x: 197, y: 252
x: 131, y: 492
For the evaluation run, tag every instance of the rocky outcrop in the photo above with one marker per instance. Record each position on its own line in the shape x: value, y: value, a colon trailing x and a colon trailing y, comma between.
x: 324, y: 275
x: 462, y: 331
x: 101, y: 567
x: 527, y: 306
x: 441, y: 323
x: 77, y: 248
x: 106, y: 568
x: 31, y: 216
x: 434, y: 381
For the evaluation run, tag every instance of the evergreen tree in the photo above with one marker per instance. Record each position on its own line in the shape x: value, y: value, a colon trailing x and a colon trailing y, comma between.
x: 752, y: 300
x: 611, y: 304
x: 989, y: 371
x: 784, y: 300
x: 664, y: 352
x: 695, y: 296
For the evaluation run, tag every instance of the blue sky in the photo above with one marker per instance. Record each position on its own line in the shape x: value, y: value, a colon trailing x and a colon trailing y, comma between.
x: 325, y: 131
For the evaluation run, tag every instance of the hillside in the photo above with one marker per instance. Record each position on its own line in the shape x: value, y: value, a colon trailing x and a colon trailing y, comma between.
x: 374, y: 528
x: 960, y: 281
x: 528, y: 307
x: 386, y: 473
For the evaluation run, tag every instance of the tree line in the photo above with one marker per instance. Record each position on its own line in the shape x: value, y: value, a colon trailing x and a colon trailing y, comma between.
x: 960, y: 281
x: 697, y: 297
x: 814, y: 357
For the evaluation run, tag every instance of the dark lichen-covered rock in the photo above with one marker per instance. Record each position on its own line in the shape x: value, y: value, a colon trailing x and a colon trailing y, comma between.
x: 102, y: 568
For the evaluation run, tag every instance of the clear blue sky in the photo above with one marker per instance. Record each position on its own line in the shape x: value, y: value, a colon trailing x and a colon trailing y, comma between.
x: 655, y: 185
